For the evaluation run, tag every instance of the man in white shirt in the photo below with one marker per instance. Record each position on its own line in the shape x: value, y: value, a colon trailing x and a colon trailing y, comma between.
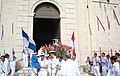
x: 12, y: 62
x: 118, y: 60
x: 4, y: 67
x: 25, y: 56
x: 104, y: 64
x: 54, y: 64
x: 109, y: 65
x: 61, y: 61
x: 115, y: 66
x: 96, y: 66
x: 7, y: 62
x: 76, y: 65
x: 68, y: 67
x: 44, y: 65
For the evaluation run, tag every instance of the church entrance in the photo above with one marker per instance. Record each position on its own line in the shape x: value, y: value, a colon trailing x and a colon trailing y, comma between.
x: 46, y: 26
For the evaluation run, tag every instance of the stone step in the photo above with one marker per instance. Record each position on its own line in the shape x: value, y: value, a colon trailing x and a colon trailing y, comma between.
x: 27, y: 72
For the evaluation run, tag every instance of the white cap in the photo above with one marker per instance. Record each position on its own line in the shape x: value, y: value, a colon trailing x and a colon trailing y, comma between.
x: 42, y: 53
x: 33, y: 53
x: 46, y: 55
x: 52, y: 51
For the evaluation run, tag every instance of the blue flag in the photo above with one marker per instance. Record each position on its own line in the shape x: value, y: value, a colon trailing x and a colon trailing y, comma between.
x: 28, y: 42
x: 2, y: 32
x: 12, y: 28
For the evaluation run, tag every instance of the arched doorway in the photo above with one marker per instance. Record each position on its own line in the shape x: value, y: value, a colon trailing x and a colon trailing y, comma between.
x: 46, y: 24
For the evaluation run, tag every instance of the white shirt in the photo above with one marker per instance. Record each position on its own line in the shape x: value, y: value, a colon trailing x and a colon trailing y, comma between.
x: 43, y: 63
x: 12, y: 58
x: 68, y: 68
x: 4, y: 68
x: 96, y: 61
x: 115, y: 69
x: 77, y: 72
x: 54, y: 62
x: 7, y: 63
x: 0, y: 68
x: 104, y: 61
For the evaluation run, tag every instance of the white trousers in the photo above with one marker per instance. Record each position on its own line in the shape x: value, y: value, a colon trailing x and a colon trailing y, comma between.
x: 42, y: 73
x: 25, y: 60
x: 104, y: 70
x: 51, y: 73
x: 3, y: 74
x: 109, y: 72
x: 12, y: 67
x: 96, y: 70
x: 34, y: 72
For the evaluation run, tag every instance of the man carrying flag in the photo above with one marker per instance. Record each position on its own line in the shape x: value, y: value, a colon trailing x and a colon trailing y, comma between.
x: 30, y: 46
x: 35, y: 65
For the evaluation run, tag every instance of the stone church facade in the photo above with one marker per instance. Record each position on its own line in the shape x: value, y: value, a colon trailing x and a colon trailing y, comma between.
x: 66, y: 16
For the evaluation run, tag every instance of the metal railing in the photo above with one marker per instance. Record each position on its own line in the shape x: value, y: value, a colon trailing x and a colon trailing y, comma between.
x: 20, y: 70
x: 23, y: 72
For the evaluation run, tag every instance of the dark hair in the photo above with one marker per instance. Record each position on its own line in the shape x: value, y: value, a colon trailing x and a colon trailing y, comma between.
x: 6, y: 55
x: 103, y: 53
x: 61, y: 57
x: 95, y: 53
x: 67, y: 56
x: 2, y: 56
x: 113, y: 58
x: 107, y: 55
x: 117, y: 54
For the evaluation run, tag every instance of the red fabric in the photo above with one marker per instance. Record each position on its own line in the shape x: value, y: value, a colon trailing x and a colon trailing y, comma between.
x: 100, y: 23
x: 74, y: 54
x: 73, y: 40
x: 108, y: 23
x: 116, y: 17
x: 73, y: 37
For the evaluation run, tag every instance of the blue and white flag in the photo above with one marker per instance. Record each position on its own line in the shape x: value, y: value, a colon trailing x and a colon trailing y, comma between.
x: 12, y: 28
x: 2, y: 34
x: 28, y: 42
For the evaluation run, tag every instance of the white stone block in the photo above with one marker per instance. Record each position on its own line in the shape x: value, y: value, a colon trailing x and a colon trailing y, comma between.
x: 24, y: 13
x: 70, y: 26
x: 70, y: 15
x: 72, y: 21
x: 20, y: 7
x: 24, y: 19
x: 22, y: 24
x: 26, y: 8
x: 70, y: 5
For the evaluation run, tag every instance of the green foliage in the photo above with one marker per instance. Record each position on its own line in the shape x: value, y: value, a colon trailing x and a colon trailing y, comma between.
x: 63, y: 52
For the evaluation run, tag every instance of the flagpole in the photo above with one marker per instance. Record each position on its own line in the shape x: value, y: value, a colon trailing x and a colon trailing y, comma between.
x: 13, y: 37
x: 1, y: 10
x: 109, y: 40
x: 89, y: 27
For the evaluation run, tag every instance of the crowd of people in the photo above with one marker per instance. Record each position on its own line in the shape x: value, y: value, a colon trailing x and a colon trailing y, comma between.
x: 48, y: 65
x: 7, y: 64
x: 60, y: 61
x: 52, y: 60
x: 105, y: 65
